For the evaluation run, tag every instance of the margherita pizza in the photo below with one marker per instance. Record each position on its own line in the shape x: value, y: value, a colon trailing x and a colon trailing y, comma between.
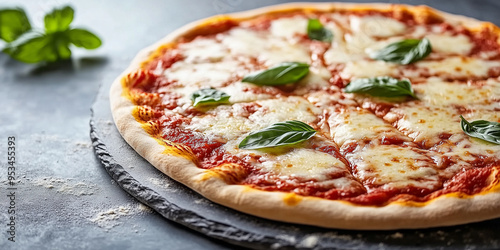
x: 353, y: 116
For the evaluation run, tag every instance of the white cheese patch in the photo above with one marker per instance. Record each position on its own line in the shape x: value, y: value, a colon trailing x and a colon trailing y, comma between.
x: 203, y: 74
x: 221, y: 123
x: 376, y: 26
x: 203, y: 50
x: 280, y: 110
x: 392, y: 166
x: 357, y: 43
x: 458, y: 66
x: 424, y: 124
x: 303, y: 162
x: 467, y: 148
x: 356, y: 124
x: 360, y: 69
x: 239, y: 92
x: 419, y: 32
x: 317, y: 78
x: 324, y: 99
x: 338, y: 51
x: 450, y: 44
x: 268, y: 49
x: 441, y: 93
x: 337, y: 31
x: 289, y: 27
x: 341, y: 55
x: 341, y: 19
x: 483, y: 114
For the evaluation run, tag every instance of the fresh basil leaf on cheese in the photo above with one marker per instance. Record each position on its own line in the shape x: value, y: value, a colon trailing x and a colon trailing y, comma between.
x: 278, y: 134
x: 13, y: 23
x: 405, y: 51
x: 485, y: 130
x: 316, y: 31
x: 209, y: 96
x: 284, y: 73
x: 382, y: 86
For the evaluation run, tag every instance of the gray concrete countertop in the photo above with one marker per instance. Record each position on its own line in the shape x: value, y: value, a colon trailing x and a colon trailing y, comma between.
x: 64, y: 199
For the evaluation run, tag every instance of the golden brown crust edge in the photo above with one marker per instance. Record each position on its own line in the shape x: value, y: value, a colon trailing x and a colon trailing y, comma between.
x: 443, y: 211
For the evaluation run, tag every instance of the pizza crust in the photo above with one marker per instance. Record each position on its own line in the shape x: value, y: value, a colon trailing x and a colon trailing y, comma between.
x: 451, y: 209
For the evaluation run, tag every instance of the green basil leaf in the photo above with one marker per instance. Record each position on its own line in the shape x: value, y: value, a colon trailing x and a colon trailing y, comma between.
x: 59, y: 19
x: 278, y: 134
x: 61, y: 45
x: 383, y: 86
x: 284, y: 73
x: 485, y: 130
x: 40, y: 47
x: 208, y: 97
x: 316, y: 31
x: 13, y: 23
x: 405, y: 51
x: 83, y: 38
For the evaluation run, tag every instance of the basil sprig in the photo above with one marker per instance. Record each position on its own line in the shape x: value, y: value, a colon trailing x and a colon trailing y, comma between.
x: 316, y: 31
x: 278, y: 134
x: 485, y: 130
x: 284, y: 73
x: 405, y: 51
x: 30, y: 46
x: 383, y: 86
x: 208, y: 96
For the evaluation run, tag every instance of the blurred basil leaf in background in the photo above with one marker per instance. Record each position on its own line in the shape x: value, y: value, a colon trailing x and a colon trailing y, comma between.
x: 30, y: 46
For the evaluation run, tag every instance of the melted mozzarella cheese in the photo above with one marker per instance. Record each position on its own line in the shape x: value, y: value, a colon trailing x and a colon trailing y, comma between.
x: 483, y: 114
x: 303, y: 162
x: 289, y: 27
x: 424, y: 124
x: 268, y: 49
x: 280, y: 110
x: 377, y: 26
x: 324, y: 99
x: 203, y: 50
x: 450, y: 44
x: 241, y: 92
x: 221, y: 123
x: 394, y: 167
x: 459, y: 66
x: 338, y: 55
x: 359, y: 69
x: 214, y: 74
x: 357, y: 43
x: 317, y: 78
x: 441, y: 93
x: 467, y: 148
x: 356, y: 124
